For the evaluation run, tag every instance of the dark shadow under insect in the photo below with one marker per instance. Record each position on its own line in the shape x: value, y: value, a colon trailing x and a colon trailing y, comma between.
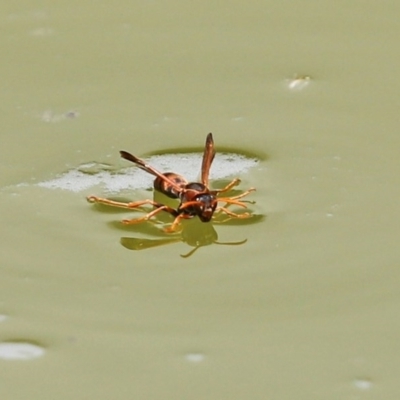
x: 196, y: 199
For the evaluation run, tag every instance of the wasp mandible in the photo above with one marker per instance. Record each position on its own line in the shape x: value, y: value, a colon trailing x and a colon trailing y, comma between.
x: 196, y: 199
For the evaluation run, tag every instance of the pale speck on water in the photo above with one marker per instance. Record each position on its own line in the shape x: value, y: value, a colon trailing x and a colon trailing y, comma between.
x: 362, y: 384
x: 51, y: 116
x: 195, y: 358
x: 298, y: 82
x: 3, y: 317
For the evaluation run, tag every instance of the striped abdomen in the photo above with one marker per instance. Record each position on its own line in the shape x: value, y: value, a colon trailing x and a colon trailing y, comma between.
x: 166, y: 188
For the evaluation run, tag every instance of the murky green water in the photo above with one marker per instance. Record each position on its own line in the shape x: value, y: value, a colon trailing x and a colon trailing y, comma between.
x: 307, y: 307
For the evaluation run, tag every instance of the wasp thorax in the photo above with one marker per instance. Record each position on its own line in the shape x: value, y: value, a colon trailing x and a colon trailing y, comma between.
x: 196, y: 186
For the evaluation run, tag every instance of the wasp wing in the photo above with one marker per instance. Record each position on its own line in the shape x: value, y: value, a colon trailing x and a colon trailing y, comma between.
x: 208, y: 157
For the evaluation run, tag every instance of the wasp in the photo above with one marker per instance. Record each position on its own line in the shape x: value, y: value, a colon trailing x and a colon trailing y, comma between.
x: 196, y: 198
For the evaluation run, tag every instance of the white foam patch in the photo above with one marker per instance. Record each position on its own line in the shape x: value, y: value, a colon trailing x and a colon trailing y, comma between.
x: 113, y: 181
x: 20, y: 351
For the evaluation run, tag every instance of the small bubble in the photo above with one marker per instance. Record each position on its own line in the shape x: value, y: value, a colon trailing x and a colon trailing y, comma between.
x: 41, y: 32
x: 194, y: 357
x: 362, y: 384
x: 237, y: 119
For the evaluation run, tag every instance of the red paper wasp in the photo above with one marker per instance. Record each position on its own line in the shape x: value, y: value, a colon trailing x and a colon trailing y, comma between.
x: 196, y: 199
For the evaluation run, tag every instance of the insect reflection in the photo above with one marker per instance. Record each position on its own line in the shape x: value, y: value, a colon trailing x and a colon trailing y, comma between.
x: 193, y: 233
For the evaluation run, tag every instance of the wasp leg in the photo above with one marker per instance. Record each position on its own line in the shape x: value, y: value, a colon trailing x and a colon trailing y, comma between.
x: 232, y: 214
x: 238, y: 196
x: 100, y: 200
x: 236, y: 202
x: 175, y: 224
x: 160, y: 207
x: 234, y: 199
x: 234, y: 183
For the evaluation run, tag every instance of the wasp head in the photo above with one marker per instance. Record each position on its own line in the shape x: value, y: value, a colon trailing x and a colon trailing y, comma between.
x: 206, y: 205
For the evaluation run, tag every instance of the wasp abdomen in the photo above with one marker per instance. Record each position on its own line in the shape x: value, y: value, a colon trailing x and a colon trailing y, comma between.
x: 165, y: 187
